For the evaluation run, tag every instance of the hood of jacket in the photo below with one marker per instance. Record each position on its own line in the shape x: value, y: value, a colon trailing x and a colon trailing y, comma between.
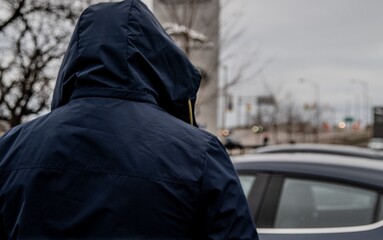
x: 121, y: 50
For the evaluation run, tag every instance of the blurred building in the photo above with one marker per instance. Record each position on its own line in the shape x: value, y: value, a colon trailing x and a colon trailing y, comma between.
x: 194, y: 25
x: 148, y: 3
x: 4, y: 126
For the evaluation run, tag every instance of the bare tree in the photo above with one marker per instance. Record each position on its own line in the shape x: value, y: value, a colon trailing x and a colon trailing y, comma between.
x: 195, y: 32
x: 33, y: 36
x: 210, y: 41
x: 183, y: 15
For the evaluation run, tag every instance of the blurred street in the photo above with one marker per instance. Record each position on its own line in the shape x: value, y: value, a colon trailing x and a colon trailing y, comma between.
x: 250, y: 140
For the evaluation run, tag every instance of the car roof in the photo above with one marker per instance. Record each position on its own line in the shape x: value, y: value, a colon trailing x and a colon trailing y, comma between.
x: 358, y: 170
x: 345, y: 150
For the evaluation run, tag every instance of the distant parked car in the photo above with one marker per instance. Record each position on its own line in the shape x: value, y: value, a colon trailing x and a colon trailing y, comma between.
x: 231, y: 144
x: 375, y: 144
x: 345, y: 150
x: 306, y: 196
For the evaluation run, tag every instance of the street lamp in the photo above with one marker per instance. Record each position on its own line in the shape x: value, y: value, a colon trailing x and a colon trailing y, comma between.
x: 317, y: 108
x: 364, y: 85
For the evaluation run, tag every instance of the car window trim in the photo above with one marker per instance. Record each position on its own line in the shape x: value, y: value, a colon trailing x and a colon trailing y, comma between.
x: 379, y: 205
x: 267, y: 213
x: 351, y: 229
x: 257, y: 194
x: 257, y: 191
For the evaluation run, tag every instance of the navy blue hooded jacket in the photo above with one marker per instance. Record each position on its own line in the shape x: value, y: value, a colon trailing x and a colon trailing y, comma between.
x: 118, y: 155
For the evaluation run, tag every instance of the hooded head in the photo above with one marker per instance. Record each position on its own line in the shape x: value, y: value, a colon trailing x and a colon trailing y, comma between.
x: 121, y: 50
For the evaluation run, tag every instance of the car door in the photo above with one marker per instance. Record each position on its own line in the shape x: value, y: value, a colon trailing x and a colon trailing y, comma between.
x: 296, y: 207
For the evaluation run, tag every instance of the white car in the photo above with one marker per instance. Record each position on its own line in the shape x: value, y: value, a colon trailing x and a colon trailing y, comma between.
x: 315, y: 196
x: 375, y: 143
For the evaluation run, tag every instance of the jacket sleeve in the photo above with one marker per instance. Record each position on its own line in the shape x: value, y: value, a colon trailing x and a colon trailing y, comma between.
x: 227, y: 214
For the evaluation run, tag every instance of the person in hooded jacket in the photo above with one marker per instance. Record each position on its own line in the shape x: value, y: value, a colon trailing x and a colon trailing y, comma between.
x: 120, y: 155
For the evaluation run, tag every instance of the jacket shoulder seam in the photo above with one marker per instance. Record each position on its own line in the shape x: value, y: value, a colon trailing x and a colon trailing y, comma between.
x: 122, y: 174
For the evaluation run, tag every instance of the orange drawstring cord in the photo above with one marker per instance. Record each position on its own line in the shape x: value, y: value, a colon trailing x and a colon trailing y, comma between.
x: 190, y: 111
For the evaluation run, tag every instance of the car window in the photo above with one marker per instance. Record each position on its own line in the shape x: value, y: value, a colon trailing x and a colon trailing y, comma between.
x: 316, y: 204
x: 247, y: 182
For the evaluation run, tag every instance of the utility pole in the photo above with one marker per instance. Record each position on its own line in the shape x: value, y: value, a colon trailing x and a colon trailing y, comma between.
x: 317, y: 97
x: 364, y: 85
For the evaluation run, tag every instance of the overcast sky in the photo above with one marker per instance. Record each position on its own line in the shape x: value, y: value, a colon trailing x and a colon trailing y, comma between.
x: 327, y: 42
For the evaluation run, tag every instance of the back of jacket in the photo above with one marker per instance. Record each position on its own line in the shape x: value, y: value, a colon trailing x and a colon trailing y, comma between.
x: 118, y: 156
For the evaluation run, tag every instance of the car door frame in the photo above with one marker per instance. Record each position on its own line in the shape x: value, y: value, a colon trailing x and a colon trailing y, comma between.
x: 266, y: 218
